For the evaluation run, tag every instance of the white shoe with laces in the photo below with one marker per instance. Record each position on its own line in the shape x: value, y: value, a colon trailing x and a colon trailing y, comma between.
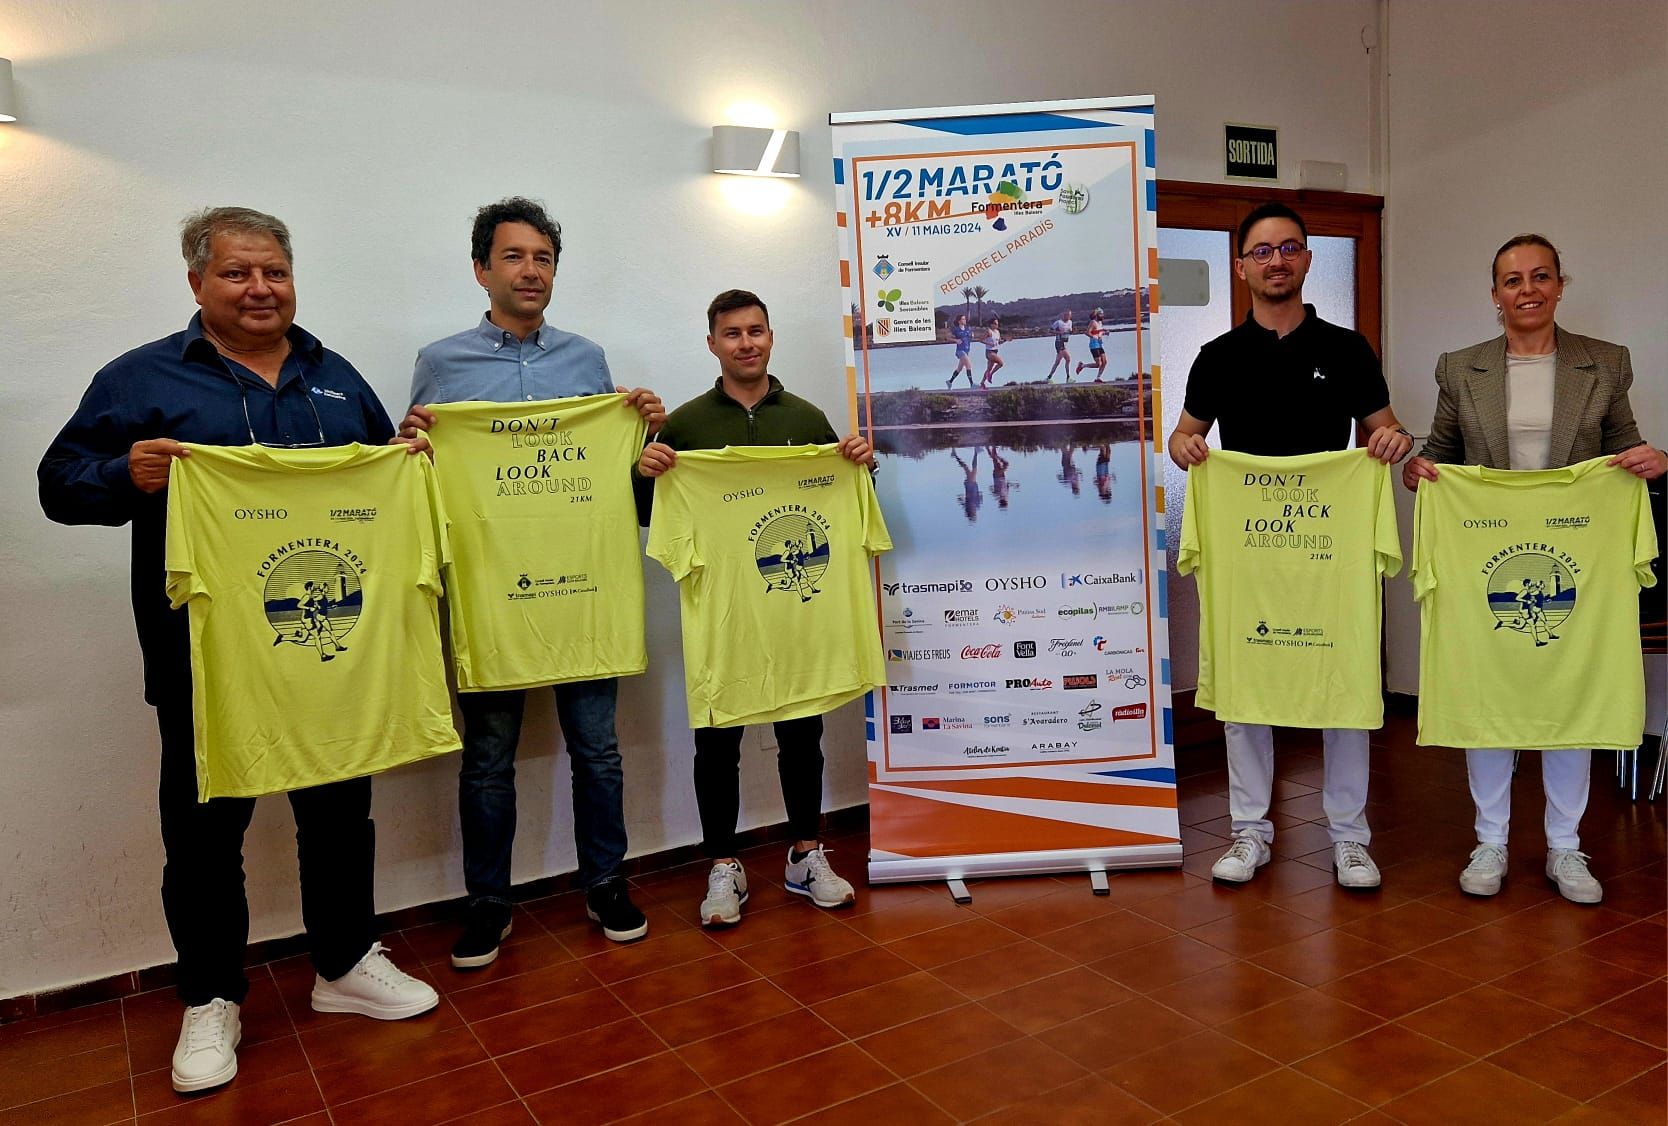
x: 1354, y: 867
x: 726, y: 892
x: 1487, y: 869
x: 1567, y: 868
x: 812, y: 877
x: 375, y: 987
x: 206, y: 1055
x: 1248, y: 853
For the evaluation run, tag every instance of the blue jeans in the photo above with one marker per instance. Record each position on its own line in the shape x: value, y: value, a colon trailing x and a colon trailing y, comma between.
x: 486, y: 783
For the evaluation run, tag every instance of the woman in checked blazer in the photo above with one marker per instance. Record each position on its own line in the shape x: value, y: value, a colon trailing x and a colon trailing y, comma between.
x: 1535, y: 397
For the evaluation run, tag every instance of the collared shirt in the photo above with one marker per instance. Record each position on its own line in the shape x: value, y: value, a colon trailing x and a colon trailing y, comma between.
x: 1280, y: 396
x: 488, y: 364
x: 180, y: 387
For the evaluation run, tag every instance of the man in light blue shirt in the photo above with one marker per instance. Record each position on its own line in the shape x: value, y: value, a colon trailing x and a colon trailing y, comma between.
x: 514, y: 356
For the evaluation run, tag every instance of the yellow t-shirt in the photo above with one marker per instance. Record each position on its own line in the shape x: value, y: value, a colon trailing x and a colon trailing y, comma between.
x: 312, y: 581
x: 1290, y: 553
x: 770, y: 546
x: 1528, y: 583
x: 545, y: 583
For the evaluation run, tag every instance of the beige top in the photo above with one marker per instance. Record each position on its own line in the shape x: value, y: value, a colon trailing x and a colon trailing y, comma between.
x: 1529, y: 409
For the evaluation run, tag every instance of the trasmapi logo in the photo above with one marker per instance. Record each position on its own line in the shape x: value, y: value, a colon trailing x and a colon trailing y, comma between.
x: 948, y: 586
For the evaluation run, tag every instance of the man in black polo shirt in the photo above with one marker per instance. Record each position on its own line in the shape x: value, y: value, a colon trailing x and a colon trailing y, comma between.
x: 1282, y: 383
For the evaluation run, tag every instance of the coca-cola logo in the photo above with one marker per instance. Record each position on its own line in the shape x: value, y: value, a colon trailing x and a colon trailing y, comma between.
x: 1129, y: 711
x: 980, y: 652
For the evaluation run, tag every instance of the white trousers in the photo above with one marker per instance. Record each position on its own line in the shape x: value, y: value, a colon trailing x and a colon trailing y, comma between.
x: 1343, y: 788
x: 1565, y: 775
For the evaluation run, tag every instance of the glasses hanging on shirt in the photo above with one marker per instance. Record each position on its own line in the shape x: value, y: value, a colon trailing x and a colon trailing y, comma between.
x: 243, y: 398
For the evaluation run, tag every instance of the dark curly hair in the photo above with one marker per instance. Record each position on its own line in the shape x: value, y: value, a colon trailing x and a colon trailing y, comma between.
x: 515, y: 209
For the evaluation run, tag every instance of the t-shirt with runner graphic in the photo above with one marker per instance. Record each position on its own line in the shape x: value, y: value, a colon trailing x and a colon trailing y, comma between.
x: 1290, y: 554
x: 545, y: 583
x: 1528, y: 583
x: 311, y: 579
x: 770, y: 546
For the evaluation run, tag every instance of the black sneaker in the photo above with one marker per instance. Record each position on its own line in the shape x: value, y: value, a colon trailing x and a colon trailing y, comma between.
x: 608, y: 904
x: 486, y: 925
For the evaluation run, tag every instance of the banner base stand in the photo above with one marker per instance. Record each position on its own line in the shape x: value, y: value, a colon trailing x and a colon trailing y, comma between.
x: 959, y: 892
x: 1097, y: 882
x: 885, y: 868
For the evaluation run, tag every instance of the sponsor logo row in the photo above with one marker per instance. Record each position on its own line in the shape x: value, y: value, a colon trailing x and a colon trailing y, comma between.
x: 1067, y: 580
x: 1121, y: 677
x: 910, y: 621
x: 1066, y: 647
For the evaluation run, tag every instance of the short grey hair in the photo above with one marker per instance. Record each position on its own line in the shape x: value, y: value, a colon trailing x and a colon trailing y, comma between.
x: 198, y: 229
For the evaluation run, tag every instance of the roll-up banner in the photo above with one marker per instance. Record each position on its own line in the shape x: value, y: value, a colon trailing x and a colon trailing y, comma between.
x: 999, y: 268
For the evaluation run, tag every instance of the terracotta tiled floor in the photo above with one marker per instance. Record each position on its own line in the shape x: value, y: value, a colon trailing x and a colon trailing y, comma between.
x: 1284, y: 1001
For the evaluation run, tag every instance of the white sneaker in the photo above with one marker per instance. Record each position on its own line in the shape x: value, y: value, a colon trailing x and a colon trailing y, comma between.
x: 1248, y: 853
x: 1354, y: 867
x: 726, y: 892
x: 814, y: 879
x: 1486, y: 871
x: 206, y: 1055
x: 1568, y: 869
x: 374, y: 988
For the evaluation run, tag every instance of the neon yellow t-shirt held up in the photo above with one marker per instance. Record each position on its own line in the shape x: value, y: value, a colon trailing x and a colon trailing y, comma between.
x: 545, y: 583
x: 312, y: 581
x: 1528, y: 583
x: 770, y: 546
x: 1290, y: 554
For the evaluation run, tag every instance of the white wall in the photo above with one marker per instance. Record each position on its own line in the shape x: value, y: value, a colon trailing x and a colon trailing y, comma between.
x: 1521, y: 115
x: 375, y: 130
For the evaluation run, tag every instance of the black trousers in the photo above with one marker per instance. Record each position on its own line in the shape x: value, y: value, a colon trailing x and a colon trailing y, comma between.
x: 202, y: 878
x: 718, y: 781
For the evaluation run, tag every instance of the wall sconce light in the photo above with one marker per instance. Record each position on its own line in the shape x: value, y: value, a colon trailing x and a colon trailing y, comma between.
x: 8, y: 104
x: 743, y: 151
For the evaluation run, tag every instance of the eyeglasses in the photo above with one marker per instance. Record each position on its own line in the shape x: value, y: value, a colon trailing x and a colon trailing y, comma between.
x: 1262, y: 253
x: 243, y: 397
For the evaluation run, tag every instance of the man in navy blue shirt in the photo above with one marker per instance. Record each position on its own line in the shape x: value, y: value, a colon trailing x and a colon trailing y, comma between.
x: 241, y: 373
x: 512, y: 355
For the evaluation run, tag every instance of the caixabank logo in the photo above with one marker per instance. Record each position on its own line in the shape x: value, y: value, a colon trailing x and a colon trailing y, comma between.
x: 312, y: 597
x: 1532, y: 590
